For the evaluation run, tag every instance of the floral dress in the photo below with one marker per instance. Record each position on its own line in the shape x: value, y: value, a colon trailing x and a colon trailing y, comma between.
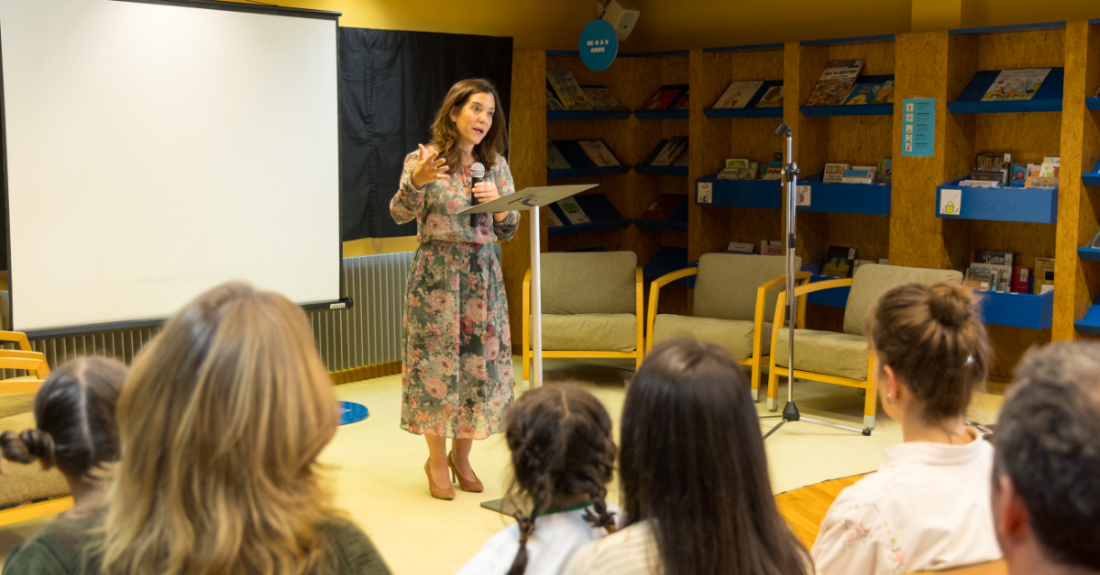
x: 456, y: 361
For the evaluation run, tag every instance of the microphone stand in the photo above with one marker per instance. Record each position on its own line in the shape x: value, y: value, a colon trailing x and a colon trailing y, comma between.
x: 790, y: 411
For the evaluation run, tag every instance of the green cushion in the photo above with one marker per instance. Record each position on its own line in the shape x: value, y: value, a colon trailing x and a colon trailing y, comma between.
x: 732, y: 335
x: 590, y: 332
x: 27, y: 483
x: 588, y: 282
x: 873, y: 280
x: 726, y: 285
x: 826, y: 352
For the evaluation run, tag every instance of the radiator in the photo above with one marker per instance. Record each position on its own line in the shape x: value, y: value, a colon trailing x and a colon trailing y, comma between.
x: 368, y: 333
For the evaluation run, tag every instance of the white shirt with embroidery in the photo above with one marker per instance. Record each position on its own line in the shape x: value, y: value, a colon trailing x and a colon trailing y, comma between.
x: 927, y: 508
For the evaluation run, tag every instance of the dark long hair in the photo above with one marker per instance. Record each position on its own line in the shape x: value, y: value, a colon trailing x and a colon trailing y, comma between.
x: 74, y: 414
x: 561, y: 444
x: 445, y: 136
x: 693, y: 465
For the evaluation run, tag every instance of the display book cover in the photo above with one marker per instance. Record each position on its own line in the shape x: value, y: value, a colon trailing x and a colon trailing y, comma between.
x: 670, y: 152
x: 1016, y: 85
x: 667, y: 98
x: 568, y: 91
x: 738, y: 95
x: 870, y: 93
x: 554, y: 159
x: 839, y: 262
x: 835, y: 83
x: 601, y: 99
x: 662, y: 207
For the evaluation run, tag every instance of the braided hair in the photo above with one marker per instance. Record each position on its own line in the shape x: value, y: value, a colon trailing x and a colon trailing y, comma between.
x: 561, y: 444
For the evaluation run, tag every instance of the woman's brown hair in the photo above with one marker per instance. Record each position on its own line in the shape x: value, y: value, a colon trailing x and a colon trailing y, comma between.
x: 445, y: 136
x: 933, y: 339
x: 693, y: 466
x: 560, y: 439
x: 74, y: 414
x: 221, y: 423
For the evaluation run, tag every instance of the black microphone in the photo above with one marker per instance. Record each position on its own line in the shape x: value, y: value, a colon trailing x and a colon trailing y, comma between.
x: 477, y: 175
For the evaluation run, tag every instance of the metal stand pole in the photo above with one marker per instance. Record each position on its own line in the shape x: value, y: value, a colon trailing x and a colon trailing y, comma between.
x: 536, y: 301
x: 790, y: 411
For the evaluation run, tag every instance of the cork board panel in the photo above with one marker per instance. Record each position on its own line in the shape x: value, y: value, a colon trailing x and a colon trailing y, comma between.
x: 802, y: 68
x: 708, y: 227
x: 1009, y: 345
x: 1013, y: 50
x: 610, y: 240
x: 878, y: 58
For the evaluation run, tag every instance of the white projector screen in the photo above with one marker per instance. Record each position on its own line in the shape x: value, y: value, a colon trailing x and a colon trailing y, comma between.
x: 154, y: 151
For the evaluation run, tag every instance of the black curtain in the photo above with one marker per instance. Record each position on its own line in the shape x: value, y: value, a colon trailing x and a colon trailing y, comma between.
x: 391, y: 84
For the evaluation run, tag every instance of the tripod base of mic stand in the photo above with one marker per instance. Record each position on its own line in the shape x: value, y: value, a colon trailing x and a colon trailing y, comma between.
x: 790, y: 414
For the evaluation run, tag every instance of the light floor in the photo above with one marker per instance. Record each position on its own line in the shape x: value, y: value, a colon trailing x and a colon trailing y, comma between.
x: 376, y: 469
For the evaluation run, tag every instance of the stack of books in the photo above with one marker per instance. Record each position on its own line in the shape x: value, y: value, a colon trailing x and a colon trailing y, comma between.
x: 564, y: 94
x: 839, y: 173
x: 997, y: 170
x: 995, y: 270
x: 743, y: 169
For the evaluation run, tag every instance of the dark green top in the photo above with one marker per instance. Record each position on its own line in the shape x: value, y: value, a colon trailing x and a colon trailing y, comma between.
x: 59, y: 549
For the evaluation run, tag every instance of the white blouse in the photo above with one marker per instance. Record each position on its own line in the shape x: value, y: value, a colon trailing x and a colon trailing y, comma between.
x: 550, y: 548
x: 927, y: 508
x: 632, y: 551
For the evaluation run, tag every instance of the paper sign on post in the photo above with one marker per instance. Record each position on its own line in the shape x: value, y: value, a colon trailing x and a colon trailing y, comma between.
x: 919, y: 121
x: 802, y: 195
x: 950, y: 202
x: 704, y: 193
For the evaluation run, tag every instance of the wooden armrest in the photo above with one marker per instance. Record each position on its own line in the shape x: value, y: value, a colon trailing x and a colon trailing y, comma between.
x: 638, y: 275
x: 20, y: 385
x: 762, y: 292
x: 819, y: 286
x: 527, y: 278
x: 778, y: 280
x: 671, y: 277
x: 16, y: 337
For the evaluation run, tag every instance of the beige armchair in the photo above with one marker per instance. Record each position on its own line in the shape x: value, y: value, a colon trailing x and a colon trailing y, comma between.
x: 732, y: 304
x: 591, y: 307
x: 842, y: 358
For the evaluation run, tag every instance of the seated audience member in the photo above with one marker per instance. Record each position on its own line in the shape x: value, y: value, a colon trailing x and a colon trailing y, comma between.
x: 694, y: 477
x: 220, y: 423
x: 927, y: 507
x: 1046, y: 481
x: 563, y: 457
x: 75, y: 431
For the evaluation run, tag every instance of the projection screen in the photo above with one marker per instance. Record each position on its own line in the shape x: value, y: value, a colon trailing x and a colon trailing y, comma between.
x: 155, y: 150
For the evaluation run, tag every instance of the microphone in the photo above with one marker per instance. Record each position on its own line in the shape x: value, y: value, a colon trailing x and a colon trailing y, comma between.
x: 477, y: 175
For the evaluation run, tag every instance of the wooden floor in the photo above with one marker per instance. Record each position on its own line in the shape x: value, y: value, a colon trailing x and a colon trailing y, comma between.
x: 805, y: 508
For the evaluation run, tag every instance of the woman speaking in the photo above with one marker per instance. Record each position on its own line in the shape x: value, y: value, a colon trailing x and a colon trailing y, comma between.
x: 456, y: 363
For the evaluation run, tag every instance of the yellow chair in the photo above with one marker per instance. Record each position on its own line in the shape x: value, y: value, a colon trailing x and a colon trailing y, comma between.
x: 842, y: 358
x: 592, y: 306
x: 731, y: 304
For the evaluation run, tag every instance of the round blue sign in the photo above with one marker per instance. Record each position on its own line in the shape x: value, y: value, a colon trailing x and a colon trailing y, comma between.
x: 599, y: 44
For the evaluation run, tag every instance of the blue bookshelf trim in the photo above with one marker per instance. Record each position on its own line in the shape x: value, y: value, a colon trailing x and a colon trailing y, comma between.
x: 625, y: 115
x: 872, y: 199
x: 836, y: 297
x: 746, y: 48
x: 1091, y: 254
x: 1091, y: 322
x: 750, y: 110
x: 662, y: 170
x: 1092, y: 178
x: 856, y: 40
x: 667, y: 260
x: 1009, y: 28
x: 1047, y: 99
x: 764, y: 194
x: 599, y: 209
x: 1018, y: 309
x: 677, y: 221
x: 661, y: 114
x: 656, y: 54
x: 1093, y: 104
x: 1034, y: 205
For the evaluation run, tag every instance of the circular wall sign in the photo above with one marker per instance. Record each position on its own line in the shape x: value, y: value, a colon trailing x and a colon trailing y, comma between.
x: 598, y: 45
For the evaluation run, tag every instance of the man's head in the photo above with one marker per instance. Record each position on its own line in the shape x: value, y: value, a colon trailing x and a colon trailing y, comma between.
x: 1046, y: 480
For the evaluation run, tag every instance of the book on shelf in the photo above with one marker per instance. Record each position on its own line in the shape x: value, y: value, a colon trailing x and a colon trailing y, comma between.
x: 1094, y: 241
x: 1044, y: 275
x: 568, y: 91
x: 1050, y: 167
x: 1004, y: 274
x: 754, y: 170
x: 553, y: 104
x: 773, y: 173
x: 554, y: 159
x: 979, y: 184
x: 662, y: 207
x: 1041, y: 182
x: 1017, y: 176
x: 665, y: 97
x: 885, y: 94
x: 555, y: 221
x: 858, y: 176
x: 736, y: 164
x: 1000, y: 177
x: 739, y: 248
x: 735, y: 174
x: 773, y: 98
x: 601, y: 99
x: 683, y: 159
x: 862, y: 93
x: 1020, y: 283
x: 1096, y: 94
x: 993, y: 162
x: 835, y: 82
x: 839, y: 262
x: 980, y: 279
x: 738, y: 94
x: 771, y: 247
x: 834, y: 173
x: 674, y: 148
x: 1016, y: 85
x: 573, y: 211
x: 599, y: 153
x: 885, y: 170
x: 682, y: 103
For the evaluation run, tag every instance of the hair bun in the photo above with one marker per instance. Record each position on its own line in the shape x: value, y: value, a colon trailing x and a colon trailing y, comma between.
x: 950, y: 304
x: 28, y: 446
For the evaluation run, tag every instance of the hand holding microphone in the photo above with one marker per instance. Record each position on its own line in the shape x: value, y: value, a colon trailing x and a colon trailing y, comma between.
x: 482, y: 191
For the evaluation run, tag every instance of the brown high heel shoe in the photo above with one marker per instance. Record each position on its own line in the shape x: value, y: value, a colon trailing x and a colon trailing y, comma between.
x: 437, y: 491
x: 472, y: 485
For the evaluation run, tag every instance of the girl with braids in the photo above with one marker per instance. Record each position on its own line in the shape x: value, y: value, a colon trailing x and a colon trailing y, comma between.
x: 563, y: 457
x: 694, y: 477
x: 75, y: 431
x: 928, y: 506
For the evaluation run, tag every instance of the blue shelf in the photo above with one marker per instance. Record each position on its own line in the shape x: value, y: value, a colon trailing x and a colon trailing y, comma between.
x: 1033, y: 205
x: 1009, y: 28
x: 589, y: 116
x: 656, y: 54
x: 1091, y: 322
x: 764, y: 194
x: 662, y: 170
x: 1091, y: 254
x: 836, y: 297
x: 677, y: 221
x: 1092, y: 178
x: 1018, y: 309
x: 667, y: 260
x: 747, y: 48
x: 599, y: 209
x: 1047, y: 99
x: 1093, y: 104
x: 846, y: 41
x: 661, y: 114
x: 872, y: 199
